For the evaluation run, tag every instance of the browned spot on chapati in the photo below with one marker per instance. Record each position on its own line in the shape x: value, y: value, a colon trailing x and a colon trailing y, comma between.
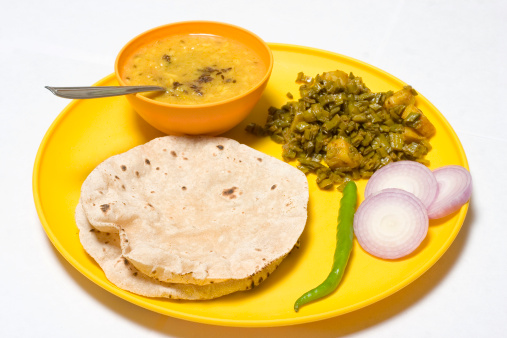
x: 230, y: 192
x: 123, y: 167
x: 105, y: 207
x: 147, y: 161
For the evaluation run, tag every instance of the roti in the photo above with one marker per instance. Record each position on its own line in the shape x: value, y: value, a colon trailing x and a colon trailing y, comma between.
x: 104, y: 248
x: 198, y: 210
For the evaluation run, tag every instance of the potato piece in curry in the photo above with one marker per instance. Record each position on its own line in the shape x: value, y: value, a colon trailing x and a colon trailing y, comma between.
x: 342, y: 154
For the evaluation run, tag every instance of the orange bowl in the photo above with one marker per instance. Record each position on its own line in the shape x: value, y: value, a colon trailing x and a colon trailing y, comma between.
x: 199, y: 119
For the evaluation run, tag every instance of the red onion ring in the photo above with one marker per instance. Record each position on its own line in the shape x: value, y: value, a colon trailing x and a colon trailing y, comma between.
x: 454, y: 190
x: 410, y: 176
x: 391, y: 224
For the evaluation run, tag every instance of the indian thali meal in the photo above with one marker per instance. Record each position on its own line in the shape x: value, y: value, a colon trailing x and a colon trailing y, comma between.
x: 198, y: 217
x: 195, y: 68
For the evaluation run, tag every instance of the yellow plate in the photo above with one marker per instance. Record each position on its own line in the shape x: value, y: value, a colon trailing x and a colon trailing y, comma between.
x: 89, y: 131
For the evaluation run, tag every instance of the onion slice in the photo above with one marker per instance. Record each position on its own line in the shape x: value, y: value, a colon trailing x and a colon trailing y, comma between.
x: 454, y: 190
x: 410, y: 176
x: 391, y: 224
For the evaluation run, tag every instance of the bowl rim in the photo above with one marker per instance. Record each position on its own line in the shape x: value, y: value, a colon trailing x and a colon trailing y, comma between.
x: 264, y: 79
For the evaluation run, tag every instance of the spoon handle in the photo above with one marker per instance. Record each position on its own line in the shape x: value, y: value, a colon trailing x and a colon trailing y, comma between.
x: 100, y: 91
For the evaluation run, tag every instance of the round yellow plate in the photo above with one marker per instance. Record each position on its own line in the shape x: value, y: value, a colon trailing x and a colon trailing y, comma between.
x: 89, y: 131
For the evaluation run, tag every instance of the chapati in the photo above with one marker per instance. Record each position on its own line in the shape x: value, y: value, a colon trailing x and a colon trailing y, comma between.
x: 198, y: 210
x: 104, y: 248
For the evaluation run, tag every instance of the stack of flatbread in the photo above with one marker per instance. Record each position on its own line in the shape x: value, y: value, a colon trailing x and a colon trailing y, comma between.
x: 191, y: 217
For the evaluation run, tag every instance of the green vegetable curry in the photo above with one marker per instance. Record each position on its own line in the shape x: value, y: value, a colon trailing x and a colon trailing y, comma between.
x: 340, y: 130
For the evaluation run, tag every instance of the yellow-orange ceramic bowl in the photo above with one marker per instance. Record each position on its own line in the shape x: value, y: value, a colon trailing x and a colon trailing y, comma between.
x: 200, y: 119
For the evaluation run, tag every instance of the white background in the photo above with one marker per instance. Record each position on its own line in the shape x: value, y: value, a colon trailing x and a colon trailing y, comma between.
x: 452, y: 52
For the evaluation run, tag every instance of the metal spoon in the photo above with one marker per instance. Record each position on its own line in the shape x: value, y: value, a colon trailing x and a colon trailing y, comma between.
x: 101, y: 91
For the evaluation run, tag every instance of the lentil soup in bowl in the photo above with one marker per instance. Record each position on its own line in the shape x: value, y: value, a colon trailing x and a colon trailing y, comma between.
x: 214, y: 74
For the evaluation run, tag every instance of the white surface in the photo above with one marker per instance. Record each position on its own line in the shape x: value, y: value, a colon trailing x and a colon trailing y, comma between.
x: 452, y: 52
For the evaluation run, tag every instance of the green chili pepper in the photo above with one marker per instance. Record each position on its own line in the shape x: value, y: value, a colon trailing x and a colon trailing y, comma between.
x: 344, y: 239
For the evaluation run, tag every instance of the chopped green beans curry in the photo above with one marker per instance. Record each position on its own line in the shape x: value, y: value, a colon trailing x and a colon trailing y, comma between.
x: 340, y: 130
